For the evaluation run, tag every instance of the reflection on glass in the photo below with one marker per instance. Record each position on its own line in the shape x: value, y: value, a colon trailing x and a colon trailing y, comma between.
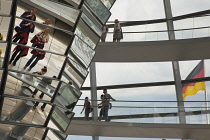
x: 99, y: 9
x: 55, y: 135
x: 66, y: 12
x: 61, y: 119
x: 11, y: 132
x: 16, y: 110
x: 67, y: 96
x: 75, y: 1
x: 41, y: 84
x: 108, y: 3
x: 51, y: 61
x: 91, y: 24
x: 82, y: 51
x: 2, y: 51
x: 79, y: 68
x: 5, y: 7
x: 85, y: 38
x: 71, y: 75
x: 4, y: 26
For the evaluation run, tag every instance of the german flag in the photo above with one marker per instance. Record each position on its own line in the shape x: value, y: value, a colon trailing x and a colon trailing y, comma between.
x: 193, y: 88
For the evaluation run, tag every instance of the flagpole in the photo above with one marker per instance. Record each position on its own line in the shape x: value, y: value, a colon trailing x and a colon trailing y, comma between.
x: 206, y: 98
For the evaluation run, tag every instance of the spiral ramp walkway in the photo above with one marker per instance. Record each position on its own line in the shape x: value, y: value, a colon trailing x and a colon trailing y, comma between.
x: 119, y: 129
x: 154, y: 51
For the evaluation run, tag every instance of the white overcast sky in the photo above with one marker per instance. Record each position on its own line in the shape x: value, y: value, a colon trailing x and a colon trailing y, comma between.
x: 129, y: 73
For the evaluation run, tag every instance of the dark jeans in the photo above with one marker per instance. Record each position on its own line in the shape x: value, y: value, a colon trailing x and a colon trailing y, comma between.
x: 105, y: 113
x: 40, y: 96
x: 18, y: 50
x: 42, y: 107
x: 39, y: 45
x: 38, y: 57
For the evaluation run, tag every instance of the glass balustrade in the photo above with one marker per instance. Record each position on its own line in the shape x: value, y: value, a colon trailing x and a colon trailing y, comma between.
x: 155, y: 112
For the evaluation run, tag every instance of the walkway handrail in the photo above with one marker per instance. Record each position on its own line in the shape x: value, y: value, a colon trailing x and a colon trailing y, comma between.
x: 165, y: 30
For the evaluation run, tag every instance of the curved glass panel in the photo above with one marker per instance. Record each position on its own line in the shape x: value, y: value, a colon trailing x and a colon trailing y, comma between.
x: 74, y: 2
x: 61, y: 119
x: 55, y: 135
x: 85, y: 38
x: 46, y: 86
x: 67, y: 96
x: 72, y: 74
x: 108, y: 3
x: 22, y: 111
x: 99, y: 9
x: 82, y: 51
x: 78, y: 67
x: 91, y: 24
x: 68, y: 13
x: 27, y: 133
x: 5, y: 7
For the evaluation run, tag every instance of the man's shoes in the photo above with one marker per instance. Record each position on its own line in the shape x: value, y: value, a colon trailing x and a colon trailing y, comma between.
x: 24, y: 67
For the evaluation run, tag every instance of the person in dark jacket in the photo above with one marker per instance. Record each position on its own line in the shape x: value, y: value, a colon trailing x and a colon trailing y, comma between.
x: 22, y: 35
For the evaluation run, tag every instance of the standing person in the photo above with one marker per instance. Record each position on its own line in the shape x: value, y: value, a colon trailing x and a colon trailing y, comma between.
x: 30, y: 14
x: 26, y: 27
x: 87, y: 108
x: 107, y: 98
x: 117, y: 31
x: 22, y: 35
x: 45, y: 82
x: 101, y: 105
x: 104, y: 33
x: 40, y: 39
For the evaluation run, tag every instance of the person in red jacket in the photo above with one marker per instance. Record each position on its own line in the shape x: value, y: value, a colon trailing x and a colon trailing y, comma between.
x: 39, y: 41
x: 22, y: 36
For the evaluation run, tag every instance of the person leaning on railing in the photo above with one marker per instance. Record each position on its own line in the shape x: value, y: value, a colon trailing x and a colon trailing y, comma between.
x: 106, y: 104
x: 105, y: 29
